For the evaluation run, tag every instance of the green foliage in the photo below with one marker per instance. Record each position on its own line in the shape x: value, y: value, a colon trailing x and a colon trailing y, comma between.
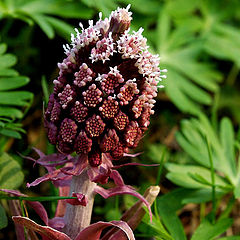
x: 192, y: 176
x: 185, y: 42
x: 11, y: 176
x: 230, y: 238
x: 167, y: 207
x: 45, y: 12
x: 147, y: 228
x: 180, y: 50
x: 205, y: 182
x: 222, y: 146
x: 170, y: 203
x: 154, y: 229
x: 110, y: 210
x: 3, y: 218
x: 13, y: 103
x: 207, y: 230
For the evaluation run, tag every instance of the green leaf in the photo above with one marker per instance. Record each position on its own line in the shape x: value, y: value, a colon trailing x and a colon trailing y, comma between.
x: 227, y: 141
x: 37, y: 11
x: 198, y: 154
x: 44, y: 25
x: 224, y: 42
x: 70, y: 10
x: 3, y: 218
x: 198, y: 178
x: 11, y: 176
x: 237, y: 190
x: 167, y: 207
x: 180, y: 8
x: 10, y: 80
x: 179, y: 174
x: 7, y: 72
x: 152, y: 7
x: 208, y: 231
x: 20, y: 15
x: 13, y: 82
x: 3, y: 48
x: 7, y: 60
x: 230, y: 238
x: 62, y: 8
x: 189, y: 79
x: 15, y: 98
x: 10, y: 112
x: 154, y: 229
x: 202, y: 195
x: 197, y: 129
x: 113, y: 214
x: 178, y: 97
x: 10, y: 133
x: 163, y: 29
x: 61, y: 27
x: 215, y: 46
x: 45, y: 89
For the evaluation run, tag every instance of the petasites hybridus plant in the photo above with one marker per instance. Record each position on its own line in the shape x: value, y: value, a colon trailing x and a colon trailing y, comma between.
x: 100, y: 108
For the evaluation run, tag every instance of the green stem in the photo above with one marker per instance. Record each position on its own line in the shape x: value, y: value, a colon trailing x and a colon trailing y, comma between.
x: 232, y: 75
x: 155, y: 209
x: 22, y: 208
x: 202, y: 211
x: 7, y: 27
x: 228, y: 209
x: 214, y: 109
x: 117, y: 202
x: 160, y: 169
x: 213, y: 183
x: 34, y: 199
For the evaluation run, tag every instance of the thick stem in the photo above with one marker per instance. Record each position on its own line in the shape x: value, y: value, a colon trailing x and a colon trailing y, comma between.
x: 78, y: 217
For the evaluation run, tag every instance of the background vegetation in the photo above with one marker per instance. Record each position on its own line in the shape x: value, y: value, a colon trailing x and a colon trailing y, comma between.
x: 194, y: 134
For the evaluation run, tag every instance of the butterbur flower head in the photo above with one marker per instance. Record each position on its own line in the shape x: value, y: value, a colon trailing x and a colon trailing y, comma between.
x: 104, y: 94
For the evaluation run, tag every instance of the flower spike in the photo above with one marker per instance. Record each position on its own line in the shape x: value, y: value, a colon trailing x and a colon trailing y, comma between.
x: 105, y: 89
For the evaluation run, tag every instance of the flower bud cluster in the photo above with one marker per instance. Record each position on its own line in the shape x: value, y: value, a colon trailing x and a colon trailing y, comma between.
x: 104, y: 94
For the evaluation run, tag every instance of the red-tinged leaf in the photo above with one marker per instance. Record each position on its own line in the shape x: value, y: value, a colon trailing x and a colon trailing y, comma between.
x: 56, y: 223
x: 134, y: 215
x: 56, y: 176
x: 61, y: 206
x: 51, y: 160
x: 13, y: 192
x: 40, y: 210
x: 15, y: 210
x: 115, y: 175
x: 44, y: 231
x: 79, y: 164
x: 125, y: 189
x: 93, y: 232
x: 54, y: 159
x: 132, y: 155
x: 81, y: 199
x: 39, y: 152
x: 99, y: 174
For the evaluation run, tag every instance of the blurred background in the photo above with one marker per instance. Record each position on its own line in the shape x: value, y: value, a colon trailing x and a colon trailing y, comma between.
x: 194, y: 134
